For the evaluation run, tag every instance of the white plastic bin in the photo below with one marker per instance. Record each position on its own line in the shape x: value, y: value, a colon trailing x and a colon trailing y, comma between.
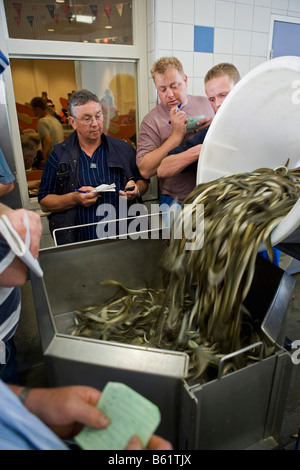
x: 257, y: 126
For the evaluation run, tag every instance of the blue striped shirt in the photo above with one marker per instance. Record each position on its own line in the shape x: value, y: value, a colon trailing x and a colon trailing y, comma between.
x: 92, y: 172
x: 20, y: 429
x: 10, y: 297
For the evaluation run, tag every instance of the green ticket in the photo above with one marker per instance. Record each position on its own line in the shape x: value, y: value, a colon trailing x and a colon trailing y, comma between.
x: 192, y: 122
x: 130, y: 414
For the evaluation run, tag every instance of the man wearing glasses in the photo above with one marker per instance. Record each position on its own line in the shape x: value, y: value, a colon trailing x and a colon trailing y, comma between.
x: 85, y: 160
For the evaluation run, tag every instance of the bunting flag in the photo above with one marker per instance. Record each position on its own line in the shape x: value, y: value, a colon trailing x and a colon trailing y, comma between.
x: 30, y: 20
x: 56, y: 17
x: 107, y: 8
x: 18, y: 8
x: 70, y: 16
x: 119, y: 7
x: 17, y: 20
x: 94, y: 9
x: 4, y: 62
x: 51, y: 10
x: 65, y: 9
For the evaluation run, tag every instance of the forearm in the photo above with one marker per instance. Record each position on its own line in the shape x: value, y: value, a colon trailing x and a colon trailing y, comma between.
x: 14, y: 275
x: 151, y: 161
x: 174, y: 164
x: 6, y: 188
x: 56, y: 203
x: 4, y: 209
x: 142, y: 186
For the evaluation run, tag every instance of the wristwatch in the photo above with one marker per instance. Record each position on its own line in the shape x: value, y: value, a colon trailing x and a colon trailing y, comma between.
x: 23, y: 394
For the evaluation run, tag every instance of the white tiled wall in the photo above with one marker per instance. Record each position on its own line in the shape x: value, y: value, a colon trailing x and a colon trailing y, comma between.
x: 241, y: 34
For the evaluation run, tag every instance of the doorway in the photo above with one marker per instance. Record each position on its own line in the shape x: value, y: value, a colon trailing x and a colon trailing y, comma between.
x: 284, y: 37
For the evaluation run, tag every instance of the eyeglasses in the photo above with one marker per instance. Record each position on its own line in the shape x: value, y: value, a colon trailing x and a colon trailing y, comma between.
x: 89, y: 119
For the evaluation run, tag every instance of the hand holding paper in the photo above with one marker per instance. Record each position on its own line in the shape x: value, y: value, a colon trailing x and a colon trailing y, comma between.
x: 130, y: 414
x: 17, y: 245
x: 105, y: 188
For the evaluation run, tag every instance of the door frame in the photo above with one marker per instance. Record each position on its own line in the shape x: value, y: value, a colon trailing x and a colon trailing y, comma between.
x: 283, y: 19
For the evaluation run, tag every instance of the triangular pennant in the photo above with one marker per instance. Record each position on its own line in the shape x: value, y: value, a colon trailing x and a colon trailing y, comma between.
x: 51, y: 10
x: 18, y: 8
x: 56, y: 17
x: 65, y: 9
x: 119, y: 7
x: 30, y: 20
x: 107, y: 8
x: 17, y: 20
x: 94, y: 9
x: 70, y: 16
x: 4, y: 62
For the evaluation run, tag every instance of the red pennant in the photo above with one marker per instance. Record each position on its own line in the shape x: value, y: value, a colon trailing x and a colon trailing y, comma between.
x: 107, y: 8
x: 56, y: 17
x: 17, y: 20
x: 65, y: 9
x: 18, y: 7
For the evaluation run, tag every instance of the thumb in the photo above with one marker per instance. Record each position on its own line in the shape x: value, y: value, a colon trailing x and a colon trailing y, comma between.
x: 89, y: 415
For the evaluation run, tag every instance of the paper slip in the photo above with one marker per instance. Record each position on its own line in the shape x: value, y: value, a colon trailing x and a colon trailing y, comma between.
x: 192, y: 123
x: 104, y: 188
x: 17, y: 245
x: 130, y: 414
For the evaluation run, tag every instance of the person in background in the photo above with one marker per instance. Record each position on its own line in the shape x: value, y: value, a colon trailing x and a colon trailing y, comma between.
x: 49, y: 129
x: 86, y: 159
x: 164, y: 127
x: 218, y: 82
x: 6, y: 177
x: 29, y: 149
x: 47, y: 100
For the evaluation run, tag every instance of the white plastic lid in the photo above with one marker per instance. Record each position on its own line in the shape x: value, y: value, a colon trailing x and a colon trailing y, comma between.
x: 258, y: 126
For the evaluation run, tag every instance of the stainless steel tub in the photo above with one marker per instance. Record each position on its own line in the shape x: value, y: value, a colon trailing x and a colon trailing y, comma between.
x: 237, y: 411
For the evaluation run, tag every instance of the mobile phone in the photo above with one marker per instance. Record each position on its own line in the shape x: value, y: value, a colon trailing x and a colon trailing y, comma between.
x: 129, y: 188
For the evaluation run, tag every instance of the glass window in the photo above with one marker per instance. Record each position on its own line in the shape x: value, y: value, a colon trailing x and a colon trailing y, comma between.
x: 112, y: 81
x: 71, y: 20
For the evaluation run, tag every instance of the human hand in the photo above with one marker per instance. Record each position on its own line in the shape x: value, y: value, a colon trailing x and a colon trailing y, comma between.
x: 67, y: 409
x: 155, y: 443
x: 178, y: 120
x: 130, y: 194
x: 203, y: 124
x: 16, y: 218
x: 85, y: 197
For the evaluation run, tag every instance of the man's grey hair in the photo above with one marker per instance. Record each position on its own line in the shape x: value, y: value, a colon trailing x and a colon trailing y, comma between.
x: 80, y: 98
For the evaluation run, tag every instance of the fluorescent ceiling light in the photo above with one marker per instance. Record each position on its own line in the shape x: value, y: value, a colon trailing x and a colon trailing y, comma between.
x: 83, y: 18
x: 108, y: 27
